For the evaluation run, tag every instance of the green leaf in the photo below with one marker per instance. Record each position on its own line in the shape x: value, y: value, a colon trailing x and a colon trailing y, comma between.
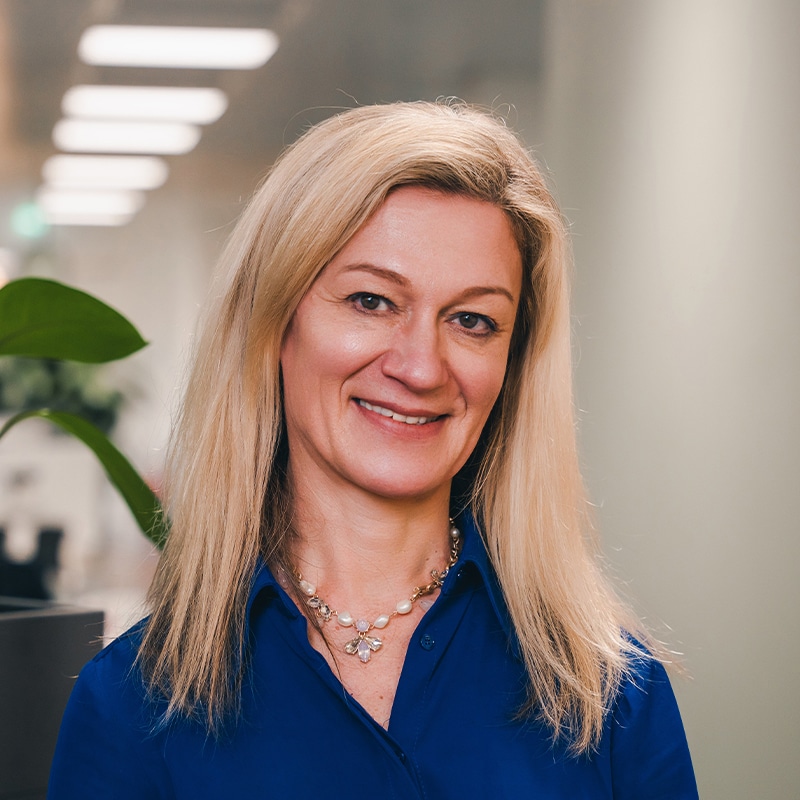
x: 141, y: 500
x: 46, y: 319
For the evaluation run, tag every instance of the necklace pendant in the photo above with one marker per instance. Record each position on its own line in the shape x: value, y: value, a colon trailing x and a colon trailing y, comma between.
x: 363, y: 646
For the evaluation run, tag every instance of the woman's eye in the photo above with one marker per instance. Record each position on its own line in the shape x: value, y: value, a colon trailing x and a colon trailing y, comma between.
x: 476, y: 323
x: 369, y: 302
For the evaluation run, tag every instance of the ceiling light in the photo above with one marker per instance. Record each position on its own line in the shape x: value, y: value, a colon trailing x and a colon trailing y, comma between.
x: 89, y: 136
x: 76, y: 202
x: 155, y: 46
x: 77, y: 207
x: 104, y: 220
x: 178, y: 104
x: 121, y: 172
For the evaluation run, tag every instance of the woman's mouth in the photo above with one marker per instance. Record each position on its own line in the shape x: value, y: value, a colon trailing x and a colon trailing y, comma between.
x: 387, y: 412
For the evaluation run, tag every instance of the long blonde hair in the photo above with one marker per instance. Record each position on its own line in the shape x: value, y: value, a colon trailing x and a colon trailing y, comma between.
x: 225, y: 490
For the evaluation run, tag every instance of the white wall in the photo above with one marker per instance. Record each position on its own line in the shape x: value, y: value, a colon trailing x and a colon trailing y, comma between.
x: 672, y: 132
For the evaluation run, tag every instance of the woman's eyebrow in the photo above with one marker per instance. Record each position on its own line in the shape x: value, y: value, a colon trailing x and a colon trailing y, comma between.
x: 379, y: 272
x: 478, y: 291
x: 401, y: 280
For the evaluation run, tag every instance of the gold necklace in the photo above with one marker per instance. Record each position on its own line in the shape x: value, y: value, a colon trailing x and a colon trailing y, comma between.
x: 365, y: 644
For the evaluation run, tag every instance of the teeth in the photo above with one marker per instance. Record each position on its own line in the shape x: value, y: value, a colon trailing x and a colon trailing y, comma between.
x: 385, y: 412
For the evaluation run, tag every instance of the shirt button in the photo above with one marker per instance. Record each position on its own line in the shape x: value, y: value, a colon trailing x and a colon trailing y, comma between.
x: 402, y: 756
x: 427, y: 642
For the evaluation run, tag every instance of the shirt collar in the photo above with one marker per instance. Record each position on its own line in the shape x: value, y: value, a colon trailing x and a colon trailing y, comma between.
x: 265, y: 581
x: 473, y: 557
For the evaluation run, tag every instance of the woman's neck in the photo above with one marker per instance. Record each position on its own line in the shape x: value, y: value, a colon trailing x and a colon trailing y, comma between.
x: 366, y: 551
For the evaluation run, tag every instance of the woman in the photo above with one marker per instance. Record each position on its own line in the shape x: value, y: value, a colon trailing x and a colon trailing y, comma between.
x: 378, y: 577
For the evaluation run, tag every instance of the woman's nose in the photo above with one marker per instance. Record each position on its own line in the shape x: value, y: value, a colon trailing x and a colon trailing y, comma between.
x: 416, y: 356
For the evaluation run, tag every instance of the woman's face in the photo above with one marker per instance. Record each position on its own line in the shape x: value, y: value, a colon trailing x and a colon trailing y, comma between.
x: 397, y: 353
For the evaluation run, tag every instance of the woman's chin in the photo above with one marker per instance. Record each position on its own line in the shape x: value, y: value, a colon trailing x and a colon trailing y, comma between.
x: 403, y: 484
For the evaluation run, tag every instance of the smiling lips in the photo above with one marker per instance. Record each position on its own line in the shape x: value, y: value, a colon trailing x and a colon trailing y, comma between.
x: 385, y: 412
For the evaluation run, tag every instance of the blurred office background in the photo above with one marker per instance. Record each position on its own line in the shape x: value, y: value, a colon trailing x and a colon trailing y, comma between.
x: 670, y: 131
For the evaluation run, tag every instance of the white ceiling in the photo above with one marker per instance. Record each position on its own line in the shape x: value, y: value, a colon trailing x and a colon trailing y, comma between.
x: 333, y: 53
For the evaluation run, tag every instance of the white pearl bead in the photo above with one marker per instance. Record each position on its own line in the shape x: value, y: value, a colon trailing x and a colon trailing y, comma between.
x: 308, y: 588
x: 381, y: 622
x: 404, y: 606
x: 345, y: 618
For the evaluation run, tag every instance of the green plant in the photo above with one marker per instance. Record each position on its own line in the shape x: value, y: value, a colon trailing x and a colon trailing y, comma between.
x: 44, y: 319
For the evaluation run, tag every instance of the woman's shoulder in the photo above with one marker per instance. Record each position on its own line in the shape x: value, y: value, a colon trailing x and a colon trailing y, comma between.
x: 114, y: 669
x: 111, y: 689
x: 644, y: 683
x: 107, y: 745
x: 645, y: 729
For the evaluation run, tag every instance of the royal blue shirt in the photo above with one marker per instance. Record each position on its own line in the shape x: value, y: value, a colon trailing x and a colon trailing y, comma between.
x: 452, y: 732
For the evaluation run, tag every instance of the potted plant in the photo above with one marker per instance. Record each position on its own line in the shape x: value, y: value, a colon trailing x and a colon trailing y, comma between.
x: 44, y: 319
x: 43, y: 645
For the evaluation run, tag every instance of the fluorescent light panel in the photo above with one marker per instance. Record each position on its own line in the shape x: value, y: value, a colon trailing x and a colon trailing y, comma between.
x: 103, y: 220
x: 90, y: 208
x: 120, y: 172
x: 172, y: 103
x: 75, y: 202
x: 91, y: 136
x: 156, y: 46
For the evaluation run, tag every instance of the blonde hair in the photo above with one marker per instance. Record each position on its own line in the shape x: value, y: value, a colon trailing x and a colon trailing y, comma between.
x: 226, y: 493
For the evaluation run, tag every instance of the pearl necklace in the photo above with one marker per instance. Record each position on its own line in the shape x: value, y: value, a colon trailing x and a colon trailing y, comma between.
x: 365, y: 644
